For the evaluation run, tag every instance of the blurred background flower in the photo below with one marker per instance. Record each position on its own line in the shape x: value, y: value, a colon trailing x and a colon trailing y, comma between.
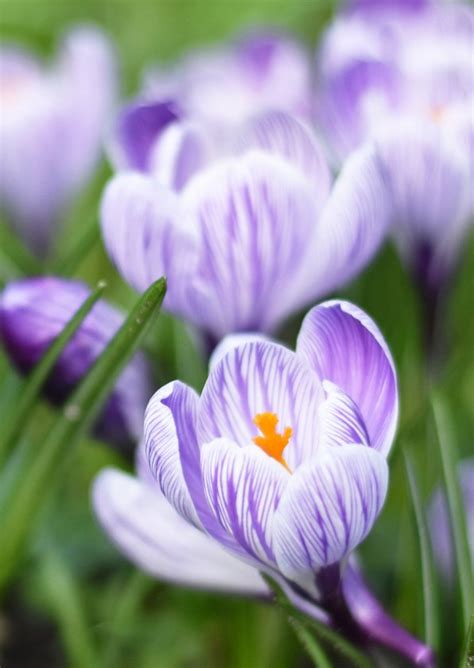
x: 33, y: 312
x: 51, y: 129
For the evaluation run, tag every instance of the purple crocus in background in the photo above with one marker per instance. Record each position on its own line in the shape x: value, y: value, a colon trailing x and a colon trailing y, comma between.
x: 188, y: 114
x: 34, y: 311
x: 439, y: 522
x: 381, y: 62
x: 51, y: 129
x: 259, y: 71
x: 252, y: 237
x: 280, y: 464
x: 405, y: 79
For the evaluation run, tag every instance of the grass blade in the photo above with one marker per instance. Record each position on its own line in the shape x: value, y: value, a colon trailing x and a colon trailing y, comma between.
x: 15, y: 259
x: 311, y: 645
x: 74, y: 419
x: 64, y: 597
x: 456, y: 509
x: 467, y: 660
x: 32, y: 388
x: 339, y: 644
x: 430, y: 609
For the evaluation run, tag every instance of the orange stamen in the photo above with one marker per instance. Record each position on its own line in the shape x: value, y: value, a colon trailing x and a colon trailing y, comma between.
x: 271, y: 442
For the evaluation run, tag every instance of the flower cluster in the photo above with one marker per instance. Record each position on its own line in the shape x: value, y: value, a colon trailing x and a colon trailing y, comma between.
x: 258, y: 182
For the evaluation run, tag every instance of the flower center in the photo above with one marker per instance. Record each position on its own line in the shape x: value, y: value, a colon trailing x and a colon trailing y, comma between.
x: 437, y: 112
x: 271, y: 442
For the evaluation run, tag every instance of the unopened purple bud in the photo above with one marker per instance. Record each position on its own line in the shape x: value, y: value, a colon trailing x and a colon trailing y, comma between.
x: 33, y: 312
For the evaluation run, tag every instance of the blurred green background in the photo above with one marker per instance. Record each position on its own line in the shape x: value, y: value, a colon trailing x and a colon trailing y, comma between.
x: 75, y: 600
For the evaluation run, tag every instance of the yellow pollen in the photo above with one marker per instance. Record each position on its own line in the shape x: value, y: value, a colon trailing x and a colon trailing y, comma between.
x: 271, y: 442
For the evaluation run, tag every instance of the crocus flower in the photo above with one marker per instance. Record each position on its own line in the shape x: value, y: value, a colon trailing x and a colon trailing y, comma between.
x: 33, y: 312
x: 51, y: 129
x: 439, y: 522
x: 221, y: 86
x: 208, y: 512
x: 189, y: 113
x: 282, y: 459
x: 383, y: 62
x: 252, y: 237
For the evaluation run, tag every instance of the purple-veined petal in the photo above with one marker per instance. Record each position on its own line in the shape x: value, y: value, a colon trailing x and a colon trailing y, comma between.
x: 137, y: 129
x: 173, y: 455
x: 258, y: 378
x: 430, y: 183
x: 145, y: 527
x: 339, y: 419
x: 170, y: 438
x: 278, y: 133
x: 256, y: 216
x: 178, y: 153
x: 243, y: 487
x: 232, y: 341
x: 328, y: 508
x: 145, y: 236
x: 354, y: 222
x: 343, y: 345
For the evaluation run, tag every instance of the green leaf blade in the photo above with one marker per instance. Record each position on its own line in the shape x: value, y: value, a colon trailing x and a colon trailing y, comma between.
x: 73, y: 420
x: 456, y: 511
x: 430, y: 602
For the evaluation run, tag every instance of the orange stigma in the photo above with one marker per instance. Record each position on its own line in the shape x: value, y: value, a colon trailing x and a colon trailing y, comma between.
x: 271, y: 442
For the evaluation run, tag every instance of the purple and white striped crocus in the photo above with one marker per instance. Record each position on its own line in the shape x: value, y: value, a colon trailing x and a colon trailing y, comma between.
x: 249, y: 238
x: 406, y: 80
x: 384, y: 61
x: 188, y: 113
x: 282, y: 459
x: 34, y: 311
x: 51, y: 128
x: 219, y: 497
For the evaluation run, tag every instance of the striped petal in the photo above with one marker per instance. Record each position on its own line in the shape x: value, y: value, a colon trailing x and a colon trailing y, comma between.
x: 257, y: 378
x: 340, y: 421
x: 144, y: 526
x: 173, y: 455
x: 143, y: 234
x: 284, y: 136
x: 137, y: 129
x: 354, y: 222
x: 170, y: 442
x: 180, y: 152
x: 243, y: 487
x: 232, y: 341
x: 343, y: 345
x: 327, y: 509
x: 430, y: 184
x: 255, y: 215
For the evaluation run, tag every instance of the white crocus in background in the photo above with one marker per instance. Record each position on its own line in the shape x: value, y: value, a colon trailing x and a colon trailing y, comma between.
x: 52, y: 123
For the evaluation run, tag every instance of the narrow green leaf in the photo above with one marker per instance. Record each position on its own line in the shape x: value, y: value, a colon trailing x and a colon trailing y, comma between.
x: 74, y: 419
x: 467, y: 660
x: 428, y: 578
x: 456, y: 511
x: 67, y: 606
x: 309, y: 642
x: 32, y: 388
x: 15, y: 259
x: 338, y: 643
